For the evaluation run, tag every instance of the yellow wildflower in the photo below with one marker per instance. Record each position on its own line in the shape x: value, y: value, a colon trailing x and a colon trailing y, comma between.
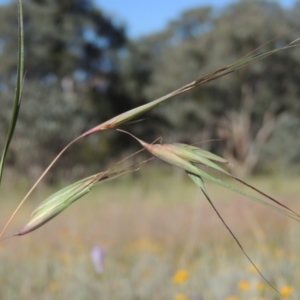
x: 180, y: 276
x: 286, y: 291
x: 53, y: 287
x: 231, y: 298
x: 180, y: 297
x: 65, y: 258
x: 259, y: 286
x: 243, y: 285
x: 145, y: 245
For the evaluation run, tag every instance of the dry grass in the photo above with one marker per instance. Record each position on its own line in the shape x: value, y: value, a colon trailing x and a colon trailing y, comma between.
x: 150, y: 228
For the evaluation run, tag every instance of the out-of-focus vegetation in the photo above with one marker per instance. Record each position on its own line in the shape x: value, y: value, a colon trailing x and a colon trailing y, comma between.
x: 82, y: 70
x: 153, y: 243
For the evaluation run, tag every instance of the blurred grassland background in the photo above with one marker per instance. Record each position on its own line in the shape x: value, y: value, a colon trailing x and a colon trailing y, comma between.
x: 158, y: 236
x: 161, y: 240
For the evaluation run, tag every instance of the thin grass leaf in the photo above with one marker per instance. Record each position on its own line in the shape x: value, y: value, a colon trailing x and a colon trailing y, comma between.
x: 200, y: 184
x: 18, y: 90
x: 264, y: 194
x: 62, y: 199
x: 290, y: 213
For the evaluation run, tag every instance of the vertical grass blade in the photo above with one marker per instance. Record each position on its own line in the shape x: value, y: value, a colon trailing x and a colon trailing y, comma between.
x: 18, y: 90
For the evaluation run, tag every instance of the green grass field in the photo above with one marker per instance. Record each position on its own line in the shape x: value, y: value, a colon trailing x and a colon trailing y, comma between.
x: 161, y: 240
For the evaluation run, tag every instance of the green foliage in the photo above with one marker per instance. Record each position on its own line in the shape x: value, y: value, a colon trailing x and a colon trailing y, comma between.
x: 286, y: 132
x: 63, y: 37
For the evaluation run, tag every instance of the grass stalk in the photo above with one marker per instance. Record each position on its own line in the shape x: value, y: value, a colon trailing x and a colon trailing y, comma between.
x: 18, y: 90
